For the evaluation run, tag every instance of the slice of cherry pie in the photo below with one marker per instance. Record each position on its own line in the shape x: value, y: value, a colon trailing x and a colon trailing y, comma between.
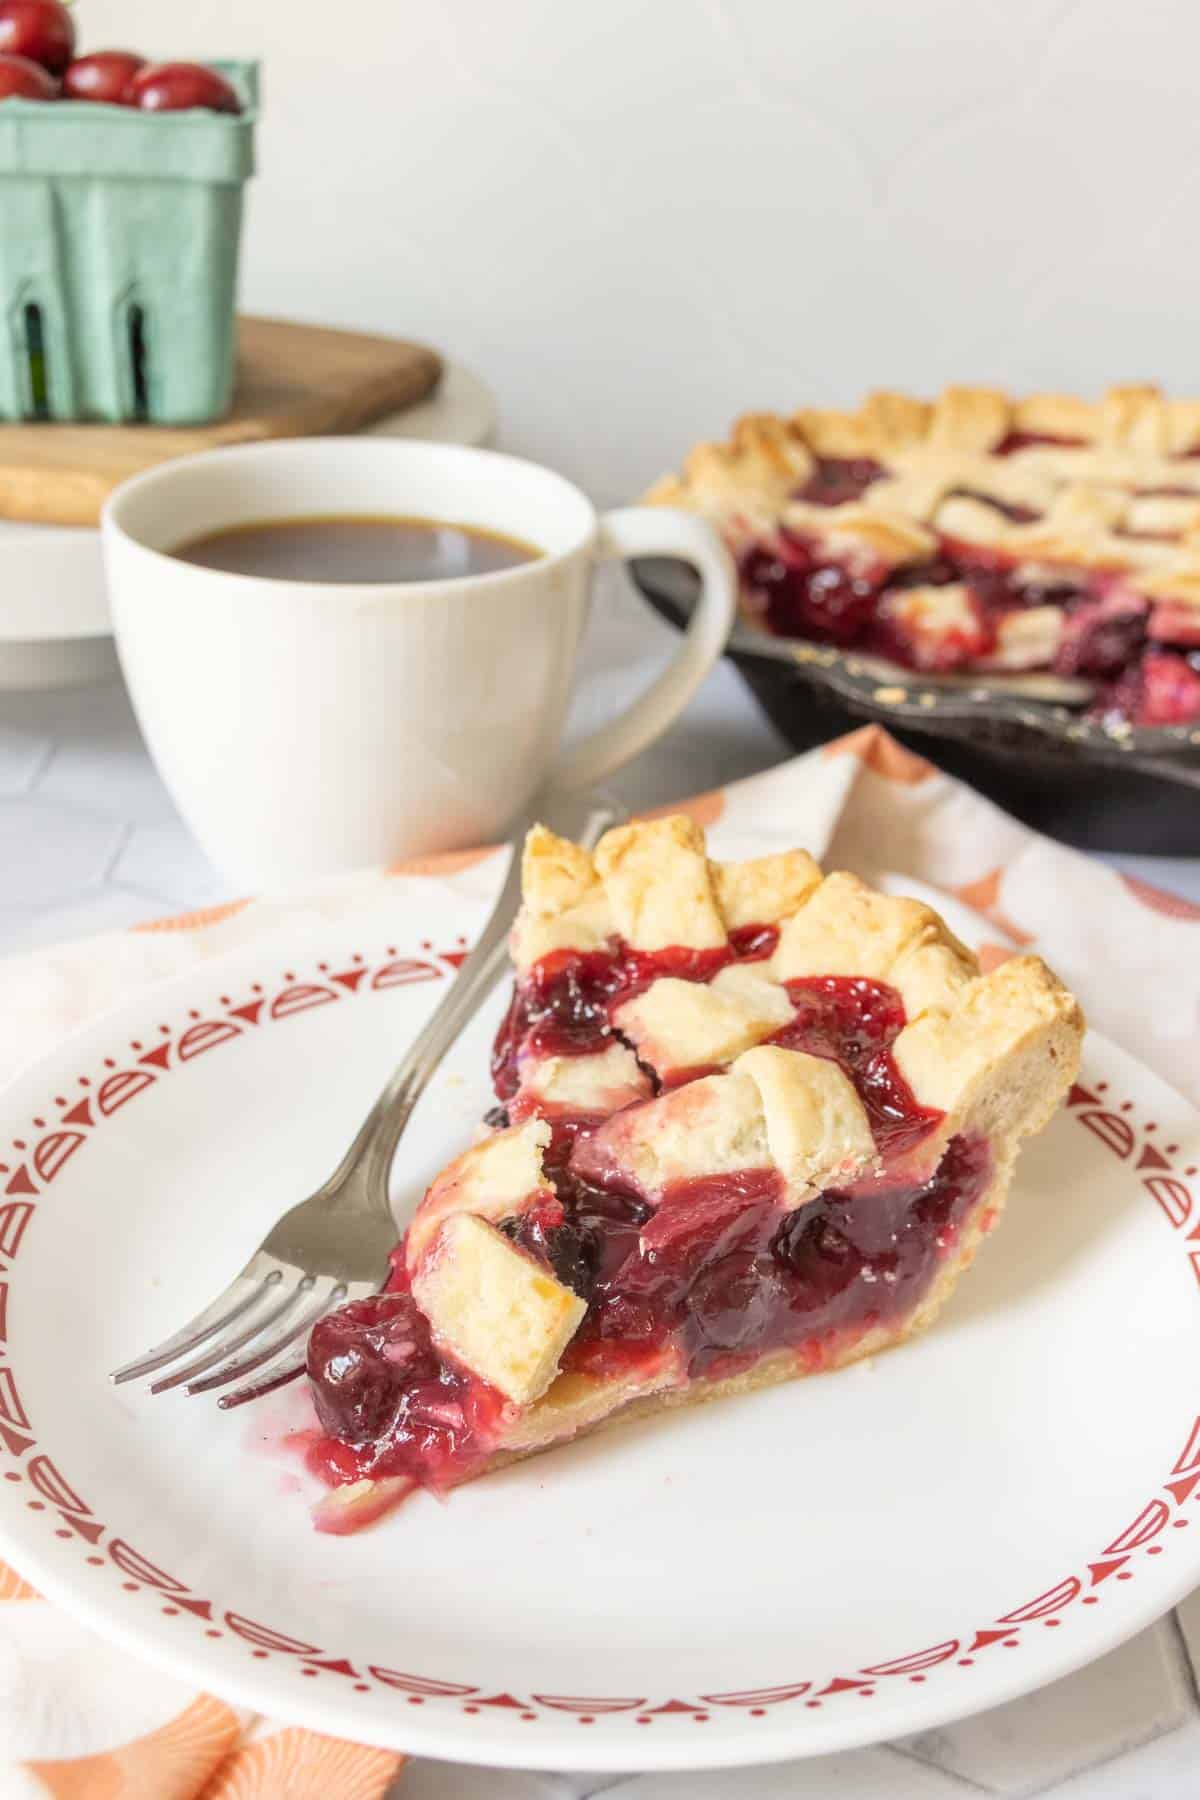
x: 752, y: 1123
x: 977, y: 533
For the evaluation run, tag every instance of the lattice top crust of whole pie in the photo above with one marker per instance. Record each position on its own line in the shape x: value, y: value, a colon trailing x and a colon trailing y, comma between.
x: 976, y: 532
x: 752, y: 1121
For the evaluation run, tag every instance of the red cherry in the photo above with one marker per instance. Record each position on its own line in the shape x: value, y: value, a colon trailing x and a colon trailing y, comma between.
x: 173, y: 87
x: 1170, y: 690
x: 102, y: 75
x: 28, y: 80
x: 42, y: 30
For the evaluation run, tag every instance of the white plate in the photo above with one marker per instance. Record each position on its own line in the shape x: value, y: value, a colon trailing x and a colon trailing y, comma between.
x: 54, y: 622
x: 837, y: 1561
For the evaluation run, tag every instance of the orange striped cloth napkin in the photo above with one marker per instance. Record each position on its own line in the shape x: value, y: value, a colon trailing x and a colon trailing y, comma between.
x: 80, y: 1720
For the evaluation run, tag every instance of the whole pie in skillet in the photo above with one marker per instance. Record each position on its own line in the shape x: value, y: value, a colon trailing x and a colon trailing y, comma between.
x: 752, y: 1123
x: 976, y: 533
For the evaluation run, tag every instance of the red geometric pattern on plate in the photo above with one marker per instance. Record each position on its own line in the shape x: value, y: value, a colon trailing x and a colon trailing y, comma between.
x: 1108, y: 1121
x: 1172, y: 1195
x: 1147, y: 1525
x: 13, y: 1219
x: 1052, y: 1601
x: 983, y: 1639
x: 132, y: 1562
x: 1189, y: 1456
x: 334, y: 1665
x: 207, y: 1035
x: 1100, y: 1571
x: 402, y: 972
x: 267, y: 1639
x: 122, y: 1087
x: 55, y: 1150
x: 422, y: 1684
x: 920, y: 1659
x: 147, y: 1574
x: 841, y: 1684
x: 299, y: 998
x: 11, y: 1410
x: 572, y: 1703
x: 53, y: 1486
x: 772, y: 1696
x: 1111, y: 1129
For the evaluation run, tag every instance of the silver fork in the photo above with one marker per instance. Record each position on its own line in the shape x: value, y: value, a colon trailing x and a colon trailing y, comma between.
x: 334, y: 1246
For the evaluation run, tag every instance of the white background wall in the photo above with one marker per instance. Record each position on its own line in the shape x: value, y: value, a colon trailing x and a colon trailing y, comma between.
x: 640, y: 217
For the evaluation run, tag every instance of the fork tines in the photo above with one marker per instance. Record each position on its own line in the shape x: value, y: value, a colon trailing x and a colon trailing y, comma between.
x: 258, y: 1327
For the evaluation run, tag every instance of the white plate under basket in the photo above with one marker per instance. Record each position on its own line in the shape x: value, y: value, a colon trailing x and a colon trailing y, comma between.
x: 834, y: 1562
x: 55, y: 629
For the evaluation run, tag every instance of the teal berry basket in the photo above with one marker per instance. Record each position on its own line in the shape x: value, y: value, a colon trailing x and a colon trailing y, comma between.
x: 118, y: 257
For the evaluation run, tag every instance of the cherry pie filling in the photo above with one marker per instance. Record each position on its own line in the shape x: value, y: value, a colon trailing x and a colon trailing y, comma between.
x: 564, y: 1005
x: 1144, y: 657
x: 713, y: 1278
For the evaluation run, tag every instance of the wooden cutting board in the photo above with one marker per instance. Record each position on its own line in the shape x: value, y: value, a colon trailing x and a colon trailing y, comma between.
x: 292, y: 381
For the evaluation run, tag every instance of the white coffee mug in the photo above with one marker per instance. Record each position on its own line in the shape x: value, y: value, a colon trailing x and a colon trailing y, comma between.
x: 305, y: 727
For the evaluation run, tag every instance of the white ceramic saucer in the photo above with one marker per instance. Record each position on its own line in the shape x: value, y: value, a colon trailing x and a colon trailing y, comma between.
x: 838, y: 1561
x: 54, y: 624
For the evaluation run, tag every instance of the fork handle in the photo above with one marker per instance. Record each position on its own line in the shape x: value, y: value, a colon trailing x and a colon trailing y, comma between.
x: 370, y: 1154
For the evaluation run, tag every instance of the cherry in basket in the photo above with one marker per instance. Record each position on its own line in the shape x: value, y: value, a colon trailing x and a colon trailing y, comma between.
x: 41, y: 30
x: 102, y: 75
x: 25, y: 80
x: 173, y: 87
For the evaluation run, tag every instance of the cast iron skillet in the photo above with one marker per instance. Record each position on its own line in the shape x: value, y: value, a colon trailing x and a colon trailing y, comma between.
x: 1023, y: 741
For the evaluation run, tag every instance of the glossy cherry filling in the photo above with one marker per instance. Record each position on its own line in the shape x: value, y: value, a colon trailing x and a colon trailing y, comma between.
x: 719, y: 1275
x: 797, y: 587
x: 837, y: 480
x: 714, y: 1278
x: 564, y: 1005
x: 854, y: 1022
x: 389, y: 1402
x: 798, y: 590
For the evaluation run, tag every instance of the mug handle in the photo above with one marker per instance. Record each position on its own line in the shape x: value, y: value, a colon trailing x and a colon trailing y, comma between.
x: 658, y: 531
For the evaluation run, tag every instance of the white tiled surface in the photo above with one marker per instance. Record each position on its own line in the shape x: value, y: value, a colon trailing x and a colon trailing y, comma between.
x: 1129, y: 1698
x: 89, y: 840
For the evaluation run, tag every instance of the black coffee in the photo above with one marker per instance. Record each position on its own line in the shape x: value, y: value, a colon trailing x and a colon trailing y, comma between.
x: 353, y: 547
